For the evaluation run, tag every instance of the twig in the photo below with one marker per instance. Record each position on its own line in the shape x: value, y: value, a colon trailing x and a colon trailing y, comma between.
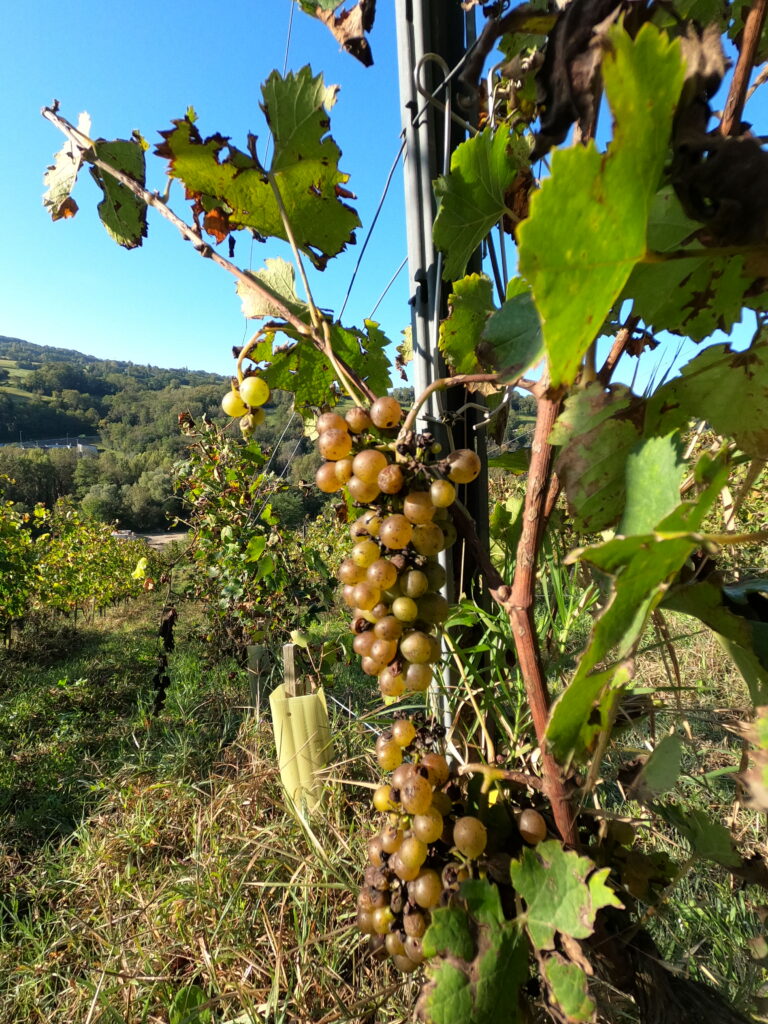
x: 737, y: 94
x: 756, y: 467
x: 618, y: 348
x: 461, y: 379
x: 494, y: 774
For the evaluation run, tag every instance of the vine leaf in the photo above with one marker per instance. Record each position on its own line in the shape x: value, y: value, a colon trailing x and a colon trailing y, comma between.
x: 659, y: 773
x: 471, y: 195
x: 470, y: 304
x: 61, y: 176
x: 279, y: 277
x: 483, y: 961
x: 729, y: 389
x: 570, y: 252
x: 730, y: 613
x: 562, y: 891
x: 567, y: 985
x: 654, y: 471
x: 348, y: 27
x: 122, y: 213
x: 708, y: 839
x: 304, y: 168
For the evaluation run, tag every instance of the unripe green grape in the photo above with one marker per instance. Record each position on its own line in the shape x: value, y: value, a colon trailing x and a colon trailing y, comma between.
x: 438, y: 771
x: 470, y: 836
x: 365, y: 553
x: 405, y: 609
x: 388, y: 628
x: 428, y: 539
x: 382, y: 573
x: 433, y: 608
x: 391, y: 479
x: 418, y: 507
x: 254, y: 391
x: 361, y: 492
x: 464, y: 466
x: 417, y: 677
x: 416, y: 795
x: 382, y: 919
x: 383, y: 799
x: 326, y: 479
x: 357, y: 420
x: 334, y: 444
x: 428, y: 827
x: 350, y: 572
x: 532, y: 826
x: 343, y: 470
x: 394, y: 944
x: 233, y: 405
x: 442, y: 493
x: 368, y: 463
x: 404, y: 964
x: 396, y: 531
x: 426, y: 889
x: 412, y: 852
x: 416, y: 647
x: 414, y: 583
x: 388, y: 754
x: 435, y: 574
x: 330, y: 421
x: 386, y: 413
x: 403, y: 732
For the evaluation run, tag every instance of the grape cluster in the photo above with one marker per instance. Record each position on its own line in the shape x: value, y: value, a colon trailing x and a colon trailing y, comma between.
x: 392, y: 578
x: 425, y: 848
x: 245, y: 400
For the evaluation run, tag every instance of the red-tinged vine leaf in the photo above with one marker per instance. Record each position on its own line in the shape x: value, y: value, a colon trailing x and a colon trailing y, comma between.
x: 643, y: 567
x: 279, y: 278
x: 61, y: 176
x: 562, y: 892
x: 660, y: 772
x: 568, y: 990
x: 122, y: 213
x: 471, y: 195
x: 654, y: 472
x: 596, y: 431
x: 727, y: 389
x: 737, y: 625
x: 304, y: 167
x: 570, y: 252
x: 479, y: 961
x: 708, y: 839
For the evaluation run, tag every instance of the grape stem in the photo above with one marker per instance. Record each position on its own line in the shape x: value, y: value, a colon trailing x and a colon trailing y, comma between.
x: 492, y: 774
x: 460, y: 380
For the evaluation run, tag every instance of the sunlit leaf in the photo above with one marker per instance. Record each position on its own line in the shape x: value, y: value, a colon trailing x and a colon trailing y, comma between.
x: 121, y: 212
x: 61, y: 176
x: 568, y: 989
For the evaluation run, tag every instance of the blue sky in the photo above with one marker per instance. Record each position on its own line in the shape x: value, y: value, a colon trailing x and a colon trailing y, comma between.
x: 68, y: 284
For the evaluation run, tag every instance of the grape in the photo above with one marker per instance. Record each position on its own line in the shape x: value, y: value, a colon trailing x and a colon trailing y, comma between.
x: 402, y: 775
x: 416, y: 795
x: 383, y: 799
x: 382, y: 573
x: 391, y: 479
x: 369, y: 524
x: 464, y: 465
x: 350, y: 572
x: 365, y: 922
x: 404, y: 872
x: 413, y: 949
x: 343, y: 470
x: 368, y: 463
x: 361, y: 492
x: 394, y: 944
x: 330, y: 421
x: 326, y: 479
x: 428, y: 827
x: 438, y: 771
x: 442, y: 493
x: 418, y: 507
x: 441, y: 802
x: 469, y: 836
x: 372, y: 666
x: 435, y: 574
x: 380, y: 610
x: 388, y: 754
x: 532, y: 827
x: 403, y: 732
x: 386, y: 413
x: 233, y: 405
x: 453, y: 875
x: 388, y: 628
x: 382, y: 918
x: 365, y: 553
x: 348, y: 595
x: 416, y: 646
x: 428, y: 539
x: 334, y: 444
x: 404, y: 964
x: 375, y: 850
x: 391, y: 685
x: 405, y: 609
x: 363, y: 643
x: 417, y: 677
x: 396, y: 531
x: 450, y: 534
x: 415, y: 924
x: 383, y: 651
x: 433, y: 608
x: 357, y: 420
x: 426, y: 889
x: 366, y: 595
x: 414, y: 583
x: 412, y: 852
x: 254, y: 391
x: 391, y: 838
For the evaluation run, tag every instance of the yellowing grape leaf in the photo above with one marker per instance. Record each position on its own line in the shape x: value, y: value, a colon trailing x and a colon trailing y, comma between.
x: 571, y: 252
x: 122, y: 213
x: 61, y: 176
x: 471, y: 195
x: 562, y: 892
x: 279, y: 277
